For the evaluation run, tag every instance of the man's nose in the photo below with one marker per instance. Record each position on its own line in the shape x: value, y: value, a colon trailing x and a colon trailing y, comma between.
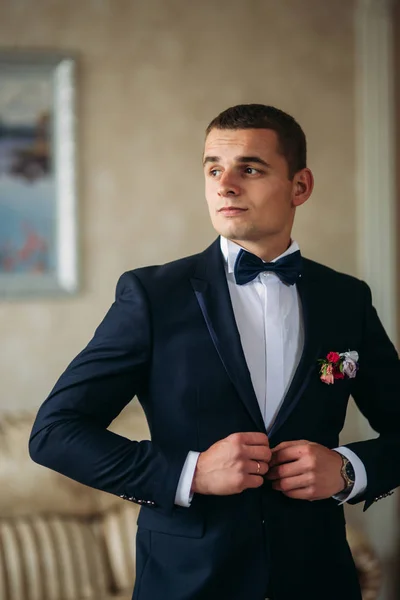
x: 228, y: 186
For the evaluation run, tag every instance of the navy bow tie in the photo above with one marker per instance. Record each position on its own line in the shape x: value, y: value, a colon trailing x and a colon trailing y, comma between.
x: 248, y: 266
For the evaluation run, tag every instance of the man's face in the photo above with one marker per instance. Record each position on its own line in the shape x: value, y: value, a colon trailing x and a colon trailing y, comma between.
x: 248, y: 192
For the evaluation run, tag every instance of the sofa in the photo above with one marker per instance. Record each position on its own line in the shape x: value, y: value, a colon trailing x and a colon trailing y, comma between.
x: 60, y: 540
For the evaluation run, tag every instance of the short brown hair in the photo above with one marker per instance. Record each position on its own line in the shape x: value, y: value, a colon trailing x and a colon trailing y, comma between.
x: 291, y: 138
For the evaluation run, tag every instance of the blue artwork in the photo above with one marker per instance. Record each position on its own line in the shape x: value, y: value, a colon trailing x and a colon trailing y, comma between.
x: 27, y: 183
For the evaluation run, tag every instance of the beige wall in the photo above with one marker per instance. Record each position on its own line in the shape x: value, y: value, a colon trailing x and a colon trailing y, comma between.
x: 396, y: 32
x: 151, y: 76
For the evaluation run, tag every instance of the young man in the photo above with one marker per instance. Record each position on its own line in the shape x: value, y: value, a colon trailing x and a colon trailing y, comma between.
x: 242, y: 483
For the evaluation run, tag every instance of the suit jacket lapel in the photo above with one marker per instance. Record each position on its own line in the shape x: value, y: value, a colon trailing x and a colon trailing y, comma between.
x: 310, y: 298
x: 212, y: 293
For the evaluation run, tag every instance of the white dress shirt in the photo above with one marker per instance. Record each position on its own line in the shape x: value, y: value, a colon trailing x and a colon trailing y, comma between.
x: 269, y: 319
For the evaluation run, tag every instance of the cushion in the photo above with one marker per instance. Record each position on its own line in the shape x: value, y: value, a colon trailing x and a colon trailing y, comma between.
x: 52, y: 559
x: 119, y: 529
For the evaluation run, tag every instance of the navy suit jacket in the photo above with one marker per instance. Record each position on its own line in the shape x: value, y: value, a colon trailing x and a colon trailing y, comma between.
x: 170, y: 338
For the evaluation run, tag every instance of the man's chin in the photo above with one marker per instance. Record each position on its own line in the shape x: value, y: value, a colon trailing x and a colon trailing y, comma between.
x: 235, y: 233
x: 229, y: 229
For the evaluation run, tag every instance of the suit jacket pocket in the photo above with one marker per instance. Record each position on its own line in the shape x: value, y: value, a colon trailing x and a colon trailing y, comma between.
x: 185, y: 522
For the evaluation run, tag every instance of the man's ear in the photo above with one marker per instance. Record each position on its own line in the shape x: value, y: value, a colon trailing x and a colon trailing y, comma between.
x: 303, y: 185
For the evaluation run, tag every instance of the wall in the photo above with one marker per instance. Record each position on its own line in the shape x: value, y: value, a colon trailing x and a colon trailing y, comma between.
x: 396, y: 37
x: 151, y: 76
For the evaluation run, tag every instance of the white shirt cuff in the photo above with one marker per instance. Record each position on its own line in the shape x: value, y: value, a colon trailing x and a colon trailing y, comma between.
x: 183, y: 496
x: 360, y: 483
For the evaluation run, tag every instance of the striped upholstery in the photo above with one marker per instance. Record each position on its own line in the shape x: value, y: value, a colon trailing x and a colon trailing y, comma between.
x: 52, y: 559
x: 119, y: 535
x: 60, y: 540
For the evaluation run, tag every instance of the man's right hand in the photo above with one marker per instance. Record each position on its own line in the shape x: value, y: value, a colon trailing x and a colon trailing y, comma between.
x: 230, y: 465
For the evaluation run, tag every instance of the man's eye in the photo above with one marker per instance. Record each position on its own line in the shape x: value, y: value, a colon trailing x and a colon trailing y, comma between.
x: 214, y: 172
x: 250, y: 171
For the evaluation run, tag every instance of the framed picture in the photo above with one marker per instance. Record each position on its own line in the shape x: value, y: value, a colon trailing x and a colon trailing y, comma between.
x: 38, y: 201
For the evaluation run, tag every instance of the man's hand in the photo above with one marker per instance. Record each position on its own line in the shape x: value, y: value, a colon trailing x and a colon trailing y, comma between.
x: 305, y: 470
x: 230, y: 465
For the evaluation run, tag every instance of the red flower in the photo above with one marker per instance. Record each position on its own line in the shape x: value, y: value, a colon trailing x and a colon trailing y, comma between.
x: 338, y: 375
x: 333, y: 357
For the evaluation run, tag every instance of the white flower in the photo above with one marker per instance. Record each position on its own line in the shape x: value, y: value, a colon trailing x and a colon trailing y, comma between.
x: 349, y: 367
x: 350, y: 355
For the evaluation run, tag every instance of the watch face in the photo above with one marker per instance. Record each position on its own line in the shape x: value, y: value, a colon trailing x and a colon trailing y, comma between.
x: 350, y: 472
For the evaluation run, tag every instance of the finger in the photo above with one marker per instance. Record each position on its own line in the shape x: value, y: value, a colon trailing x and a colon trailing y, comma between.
x: 257, y: 467
x: 289, y: 454
x: 288, y: 444
x: 303, y: 494
x: 253, y: 481
x: 290, y: 484
x: 258, y: 453
x: 291, y: 469
x: 251, y: 438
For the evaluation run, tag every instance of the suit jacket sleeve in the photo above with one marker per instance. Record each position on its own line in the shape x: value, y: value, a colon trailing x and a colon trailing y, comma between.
x: 376, y: 391
x: 70, y: 432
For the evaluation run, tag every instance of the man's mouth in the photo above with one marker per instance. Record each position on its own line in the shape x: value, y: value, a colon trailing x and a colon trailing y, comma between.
x: 231, y: 210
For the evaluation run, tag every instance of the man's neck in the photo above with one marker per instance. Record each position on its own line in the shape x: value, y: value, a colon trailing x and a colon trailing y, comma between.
x: 267, y: 251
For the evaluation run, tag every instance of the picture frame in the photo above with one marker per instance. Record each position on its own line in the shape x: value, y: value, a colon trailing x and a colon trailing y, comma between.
x: 38, y: 179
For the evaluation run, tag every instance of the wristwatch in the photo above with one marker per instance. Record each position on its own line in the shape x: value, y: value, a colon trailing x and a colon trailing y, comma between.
x: 348, y: 474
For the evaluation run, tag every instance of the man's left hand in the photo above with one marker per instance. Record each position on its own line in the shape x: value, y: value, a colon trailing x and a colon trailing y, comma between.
x: 305, y: 470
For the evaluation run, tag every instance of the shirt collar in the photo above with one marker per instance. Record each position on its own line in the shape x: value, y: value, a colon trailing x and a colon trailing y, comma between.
x: 230, y: 250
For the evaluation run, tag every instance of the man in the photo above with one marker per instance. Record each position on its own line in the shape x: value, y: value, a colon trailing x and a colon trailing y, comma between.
x: 243, y: 358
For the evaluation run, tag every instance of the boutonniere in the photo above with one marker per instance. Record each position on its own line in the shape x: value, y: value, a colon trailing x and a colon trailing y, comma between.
x: 338, y: 366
